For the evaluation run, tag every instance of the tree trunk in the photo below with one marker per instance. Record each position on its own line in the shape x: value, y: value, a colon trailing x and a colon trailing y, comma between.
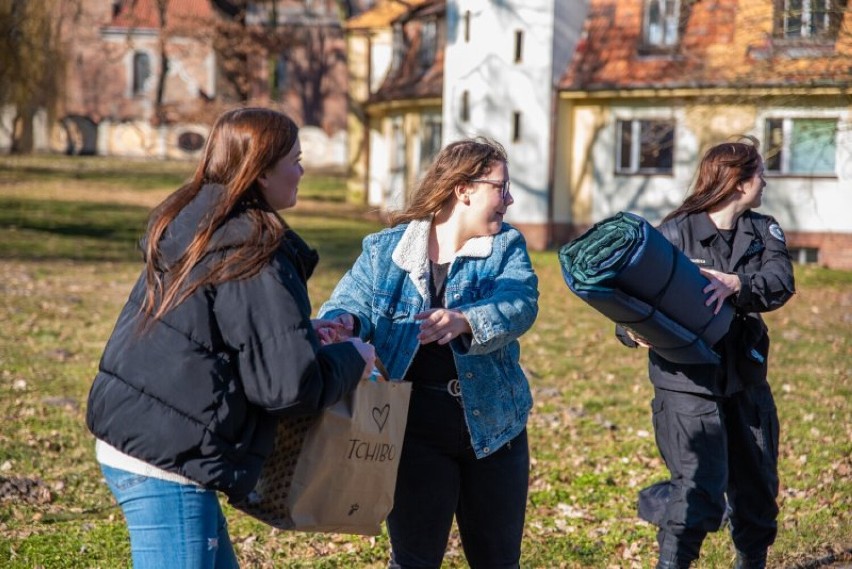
x: 159, y: 111
x: 23, y: 137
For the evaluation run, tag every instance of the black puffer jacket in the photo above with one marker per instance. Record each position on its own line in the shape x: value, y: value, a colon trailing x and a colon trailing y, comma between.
x: 197, y: 392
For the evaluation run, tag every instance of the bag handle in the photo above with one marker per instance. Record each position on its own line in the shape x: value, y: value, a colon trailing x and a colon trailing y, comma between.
x: 382, y: 370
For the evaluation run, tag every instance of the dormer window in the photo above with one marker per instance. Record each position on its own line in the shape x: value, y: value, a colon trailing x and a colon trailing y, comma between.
x: 808, y: 19
x: 428, y: 43
x: 398, y: 48
x: 661, y: 24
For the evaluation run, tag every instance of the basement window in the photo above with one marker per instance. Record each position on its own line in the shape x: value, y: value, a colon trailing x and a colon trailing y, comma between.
x: 804, y: 255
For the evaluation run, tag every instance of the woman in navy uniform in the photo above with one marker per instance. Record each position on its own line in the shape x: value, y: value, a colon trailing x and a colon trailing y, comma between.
x: 716, y: 426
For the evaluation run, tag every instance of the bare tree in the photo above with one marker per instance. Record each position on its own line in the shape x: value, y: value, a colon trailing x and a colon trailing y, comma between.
x: 307, y: 41
x: 312, y: 71
x: 31, y: 64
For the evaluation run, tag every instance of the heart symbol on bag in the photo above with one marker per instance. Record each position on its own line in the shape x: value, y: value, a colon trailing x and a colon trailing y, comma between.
x: 380, y: 416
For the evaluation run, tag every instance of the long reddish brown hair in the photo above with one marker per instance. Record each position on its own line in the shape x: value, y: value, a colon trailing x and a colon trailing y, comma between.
x: 243, y: 144
x: 723, y: 167
x: 456, y: 164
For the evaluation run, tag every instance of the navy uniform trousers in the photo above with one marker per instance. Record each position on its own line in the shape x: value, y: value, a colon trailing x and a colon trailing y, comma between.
x: 722, y: 452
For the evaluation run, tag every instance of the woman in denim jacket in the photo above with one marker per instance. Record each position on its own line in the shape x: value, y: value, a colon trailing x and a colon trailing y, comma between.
x: 444, y: 295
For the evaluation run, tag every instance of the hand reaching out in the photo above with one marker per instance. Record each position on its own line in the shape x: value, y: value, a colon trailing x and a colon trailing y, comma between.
x: 722, y: 285
x: 441, y: 325
x: 337, y: 329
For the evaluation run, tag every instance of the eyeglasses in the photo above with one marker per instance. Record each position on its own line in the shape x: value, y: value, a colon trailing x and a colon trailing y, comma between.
x: 504, y: 185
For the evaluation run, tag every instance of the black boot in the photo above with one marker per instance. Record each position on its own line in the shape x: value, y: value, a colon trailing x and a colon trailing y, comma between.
x: 670, y: 559
x: 675, y: 551
x: 750, y: 560
x: 671, y: 564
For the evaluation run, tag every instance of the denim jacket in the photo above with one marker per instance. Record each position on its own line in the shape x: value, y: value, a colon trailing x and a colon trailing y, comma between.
x: 491, y: 281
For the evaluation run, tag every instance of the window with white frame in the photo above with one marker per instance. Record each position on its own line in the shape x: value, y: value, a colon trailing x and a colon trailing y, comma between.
x: 661, y: 23
x: 644, y: 146
x: 801, y: 146
x: 430, y: 138
x: 394, y: 199
x: 808, y: 19
x: 397, y: 162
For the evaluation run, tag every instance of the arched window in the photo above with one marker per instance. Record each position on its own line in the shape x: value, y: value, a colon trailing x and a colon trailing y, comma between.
x: 141, y: 71
x: 277, y: 76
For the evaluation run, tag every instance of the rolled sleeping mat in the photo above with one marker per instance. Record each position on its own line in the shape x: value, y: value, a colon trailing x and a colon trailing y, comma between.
x: 629, y: 272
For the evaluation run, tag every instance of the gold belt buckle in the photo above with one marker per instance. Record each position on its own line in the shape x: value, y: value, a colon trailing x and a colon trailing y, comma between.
x: 454, y: 387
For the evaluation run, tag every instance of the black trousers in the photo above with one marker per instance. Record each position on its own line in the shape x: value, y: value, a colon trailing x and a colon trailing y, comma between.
x: 721, y: 452
x: 440, y: 477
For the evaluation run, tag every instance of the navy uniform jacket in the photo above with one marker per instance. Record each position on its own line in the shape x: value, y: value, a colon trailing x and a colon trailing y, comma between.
x: 758, y: 255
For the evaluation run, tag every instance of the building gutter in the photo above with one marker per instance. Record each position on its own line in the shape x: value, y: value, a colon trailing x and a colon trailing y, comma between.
x: 678, y: 92
x: 383, y: 107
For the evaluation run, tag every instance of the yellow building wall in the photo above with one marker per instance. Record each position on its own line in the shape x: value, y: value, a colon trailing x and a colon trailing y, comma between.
x: 357, y: 146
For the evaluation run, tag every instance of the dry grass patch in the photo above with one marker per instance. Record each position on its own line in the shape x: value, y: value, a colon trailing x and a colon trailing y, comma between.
x: 68, y: 260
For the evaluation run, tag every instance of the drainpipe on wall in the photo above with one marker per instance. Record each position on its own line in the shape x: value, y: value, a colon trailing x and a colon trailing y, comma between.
x: 551, y: 165
x: 366, y: 120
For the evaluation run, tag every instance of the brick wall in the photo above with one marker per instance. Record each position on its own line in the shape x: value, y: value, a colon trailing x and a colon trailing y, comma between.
x: 835, y: 249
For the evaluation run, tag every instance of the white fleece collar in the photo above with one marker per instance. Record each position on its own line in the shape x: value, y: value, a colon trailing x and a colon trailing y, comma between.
x: 411, y: 254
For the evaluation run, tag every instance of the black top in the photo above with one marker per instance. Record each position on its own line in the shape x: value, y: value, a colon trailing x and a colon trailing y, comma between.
x: 433, y: 362
x: 728, y: 237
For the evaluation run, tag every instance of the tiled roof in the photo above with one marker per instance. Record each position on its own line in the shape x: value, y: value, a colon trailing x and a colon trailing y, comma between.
x: 382, y: 14
x: 143, y: 14
x: 413, y: 80
x: 723, y: 43
x: 413, y: 83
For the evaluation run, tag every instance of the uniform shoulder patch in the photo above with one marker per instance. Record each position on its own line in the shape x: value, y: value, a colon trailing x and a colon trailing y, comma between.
x: 778, y: 233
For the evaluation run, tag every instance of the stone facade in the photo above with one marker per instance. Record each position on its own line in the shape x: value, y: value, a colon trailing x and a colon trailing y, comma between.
x: 117, y: 102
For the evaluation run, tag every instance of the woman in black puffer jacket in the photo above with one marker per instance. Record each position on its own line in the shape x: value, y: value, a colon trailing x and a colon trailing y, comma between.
x: 214, y: 342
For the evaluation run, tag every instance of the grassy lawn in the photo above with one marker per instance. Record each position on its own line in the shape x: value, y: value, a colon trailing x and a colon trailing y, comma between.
x: 68, y: 230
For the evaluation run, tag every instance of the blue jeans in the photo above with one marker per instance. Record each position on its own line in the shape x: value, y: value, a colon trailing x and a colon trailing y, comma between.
x: 171, y: 524
x: 440, y: 477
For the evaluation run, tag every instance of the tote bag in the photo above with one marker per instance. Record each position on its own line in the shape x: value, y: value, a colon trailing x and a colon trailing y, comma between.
x: 335, y: 472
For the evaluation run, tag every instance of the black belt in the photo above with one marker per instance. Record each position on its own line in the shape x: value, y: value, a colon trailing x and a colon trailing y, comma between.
x: 452, y: 387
